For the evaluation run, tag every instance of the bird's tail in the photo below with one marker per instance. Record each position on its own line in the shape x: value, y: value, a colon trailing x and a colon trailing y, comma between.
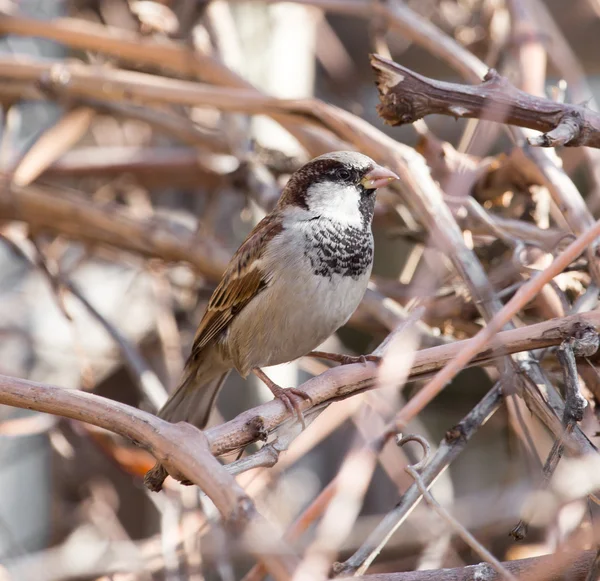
x: 193, y: 399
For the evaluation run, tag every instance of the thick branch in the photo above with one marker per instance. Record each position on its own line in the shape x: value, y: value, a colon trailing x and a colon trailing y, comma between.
x: 407, y: 96
x: 181, y: 447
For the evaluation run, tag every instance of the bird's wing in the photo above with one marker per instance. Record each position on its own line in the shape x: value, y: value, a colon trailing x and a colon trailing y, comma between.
x: 242, y: 281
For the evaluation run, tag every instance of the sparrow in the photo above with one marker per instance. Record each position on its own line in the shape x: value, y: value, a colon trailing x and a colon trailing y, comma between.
x: 297, y: 278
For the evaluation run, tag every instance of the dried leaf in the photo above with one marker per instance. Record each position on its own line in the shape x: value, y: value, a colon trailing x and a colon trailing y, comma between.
x: 52, y: 144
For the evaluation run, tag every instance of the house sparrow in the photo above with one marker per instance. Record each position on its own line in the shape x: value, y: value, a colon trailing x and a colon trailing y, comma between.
x: 296, y: 279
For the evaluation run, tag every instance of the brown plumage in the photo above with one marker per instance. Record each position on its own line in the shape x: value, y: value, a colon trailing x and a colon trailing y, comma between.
x: 295, y: 280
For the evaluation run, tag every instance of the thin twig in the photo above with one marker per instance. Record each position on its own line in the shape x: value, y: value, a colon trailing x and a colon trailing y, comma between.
x: 464, y: 534
x: 451, y: 446
x: 585, y: 344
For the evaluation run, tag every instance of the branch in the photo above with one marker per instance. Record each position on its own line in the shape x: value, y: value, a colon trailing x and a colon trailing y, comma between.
x: 575, y: 403
x: 454, y: 442
x: 576, y: 572
x: 461, y: 531
x: 181, y: 447
x: 407, y: 96
x: 347, y: 380
x: 122, y: 44
x: 75, y: 217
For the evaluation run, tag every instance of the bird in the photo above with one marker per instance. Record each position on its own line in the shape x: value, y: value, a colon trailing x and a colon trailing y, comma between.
x: 296, y: 279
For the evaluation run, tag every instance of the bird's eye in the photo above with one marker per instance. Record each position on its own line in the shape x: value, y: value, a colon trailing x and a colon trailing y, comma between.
x: 343, y: 174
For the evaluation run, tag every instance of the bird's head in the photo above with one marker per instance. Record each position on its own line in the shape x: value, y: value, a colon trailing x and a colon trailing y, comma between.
x: 339, y: 186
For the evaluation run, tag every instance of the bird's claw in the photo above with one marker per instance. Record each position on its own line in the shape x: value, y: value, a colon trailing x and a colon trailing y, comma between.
x: 345, y: 359
x: 349, y: 359
x: 289, y: 398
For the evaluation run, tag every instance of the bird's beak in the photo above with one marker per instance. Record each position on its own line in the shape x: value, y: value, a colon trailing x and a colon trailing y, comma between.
x: 377, y: 178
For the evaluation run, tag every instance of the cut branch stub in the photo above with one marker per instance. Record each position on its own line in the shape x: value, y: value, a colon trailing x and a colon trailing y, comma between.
x: 407, y: 96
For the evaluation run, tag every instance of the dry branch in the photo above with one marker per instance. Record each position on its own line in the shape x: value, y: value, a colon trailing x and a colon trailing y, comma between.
x: 180, y: 446
x: 461, y: 531
x: 527, y: 292
x: 184, y: 448
x: 122, y: 44
x: 77, y: 218
x: 407, y: 96
x: 80, y: 80
x: 452, y: 445
x: 347, y: 380
x: 577, y: 571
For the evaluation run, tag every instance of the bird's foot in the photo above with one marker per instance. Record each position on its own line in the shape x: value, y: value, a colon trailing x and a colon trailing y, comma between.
x: 345, y: 359
x: 290, y: 396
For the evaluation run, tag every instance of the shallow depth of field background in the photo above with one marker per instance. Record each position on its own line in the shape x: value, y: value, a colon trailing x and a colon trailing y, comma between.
x: 72, y: 501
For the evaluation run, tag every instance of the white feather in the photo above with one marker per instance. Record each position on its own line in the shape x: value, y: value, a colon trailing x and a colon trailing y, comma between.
x: 335, y: 201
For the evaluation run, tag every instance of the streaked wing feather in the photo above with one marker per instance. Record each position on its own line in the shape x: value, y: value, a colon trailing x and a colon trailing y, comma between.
x: 242, y: 281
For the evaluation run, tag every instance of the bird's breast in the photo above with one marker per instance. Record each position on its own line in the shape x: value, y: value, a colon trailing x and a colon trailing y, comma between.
x: 317, y: 279
x: 333, y: 249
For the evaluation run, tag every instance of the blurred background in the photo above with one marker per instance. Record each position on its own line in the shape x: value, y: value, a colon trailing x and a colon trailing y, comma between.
x: 118, y: 212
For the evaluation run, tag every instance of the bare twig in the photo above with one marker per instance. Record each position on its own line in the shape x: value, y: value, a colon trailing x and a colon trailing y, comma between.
x: 451, y: 446
x: 585, y: 344
x: 575, y: 403
x: 458, y: 528
x: 519, y: 532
